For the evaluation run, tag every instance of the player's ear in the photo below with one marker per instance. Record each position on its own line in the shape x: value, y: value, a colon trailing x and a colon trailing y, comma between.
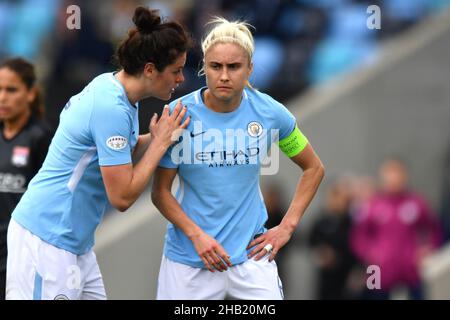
x: 31, y: 96
x: 250, y: 69
x: 149, y: 70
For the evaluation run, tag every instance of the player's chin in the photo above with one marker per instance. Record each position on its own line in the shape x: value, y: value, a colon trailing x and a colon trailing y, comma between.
x: 170, y: 93
x: 165, y: 97
x: 225, y: 92
x: 224, y: 96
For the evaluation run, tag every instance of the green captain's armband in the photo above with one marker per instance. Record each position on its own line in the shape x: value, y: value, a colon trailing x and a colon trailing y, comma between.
x: 294, y: 143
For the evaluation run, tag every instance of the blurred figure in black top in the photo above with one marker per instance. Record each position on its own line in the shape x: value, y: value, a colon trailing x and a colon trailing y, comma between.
x: 24, y: 142
x: 329, y: 240
x: 273, y: 200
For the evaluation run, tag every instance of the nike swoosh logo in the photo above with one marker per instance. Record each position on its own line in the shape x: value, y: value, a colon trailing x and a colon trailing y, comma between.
x: 196, y: 134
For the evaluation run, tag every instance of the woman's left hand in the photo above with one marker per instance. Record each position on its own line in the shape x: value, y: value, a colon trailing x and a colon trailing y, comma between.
x: 276, y: 238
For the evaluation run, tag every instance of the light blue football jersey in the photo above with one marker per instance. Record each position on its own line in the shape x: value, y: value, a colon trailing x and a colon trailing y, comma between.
x: 219, y: 160
x: 66, y: 200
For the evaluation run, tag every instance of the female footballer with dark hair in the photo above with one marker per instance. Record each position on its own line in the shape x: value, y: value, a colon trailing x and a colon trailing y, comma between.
x: 24, y: 141
x: 51, y: 233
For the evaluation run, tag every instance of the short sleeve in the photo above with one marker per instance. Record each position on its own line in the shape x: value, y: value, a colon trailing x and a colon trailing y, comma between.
x: 285, y: 121
x: 111, y: 127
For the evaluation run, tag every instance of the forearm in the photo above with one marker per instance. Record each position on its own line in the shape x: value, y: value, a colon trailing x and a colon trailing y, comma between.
x: 172, y: 211
x: 142, y: 171
x: 305, y: 191
x: 124, y: 183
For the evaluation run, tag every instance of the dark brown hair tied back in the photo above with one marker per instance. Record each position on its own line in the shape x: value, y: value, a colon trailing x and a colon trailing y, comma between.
x: 146, y: 20
x: 151, y: 41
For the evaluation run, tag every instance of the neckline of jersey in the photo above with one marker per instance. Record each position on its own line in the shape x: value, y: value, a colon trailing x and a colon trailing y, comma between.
x: 30, y: 119
x: 122, y: 89
x: 240, y: 108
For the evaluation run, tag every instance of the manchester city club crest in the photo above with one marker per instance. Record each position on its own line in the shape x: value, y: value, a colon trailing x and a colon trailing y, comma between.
x: 254, y: 129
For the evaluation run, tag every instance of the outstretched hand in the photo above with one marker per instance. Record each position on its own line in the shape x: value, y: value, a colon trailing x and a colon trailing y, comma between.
x: 169, y: 127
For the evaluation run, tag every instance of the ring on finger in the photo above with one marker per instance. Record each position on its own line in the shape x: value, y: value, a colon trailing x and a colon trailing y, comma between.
x: 268, y: 247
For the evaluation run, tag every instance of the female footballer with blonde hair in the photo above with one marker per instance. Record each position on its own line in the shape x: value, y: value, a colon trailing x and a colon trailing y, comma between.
x: 217, y: 217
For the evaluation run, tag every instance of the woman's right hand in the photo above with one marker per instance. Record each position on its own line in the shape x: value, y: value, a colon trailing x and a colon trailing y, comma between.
x: 211, y: 252
x: 169, y: 127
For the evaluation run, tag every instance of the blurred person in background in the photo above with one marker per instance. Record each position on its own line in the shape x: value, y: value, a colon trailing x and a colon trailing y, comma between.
x: 395, y: 231
x: 78, y: 56
x: 51, y: 233
x: 24, y: 141
x: 216, y: 244
x: 329, y: 241
x: 362, y: 189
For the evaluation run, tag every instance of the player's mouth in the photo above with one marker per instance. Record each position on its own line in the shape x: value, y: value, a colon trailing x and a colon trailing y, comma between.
x: 4, y: 109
